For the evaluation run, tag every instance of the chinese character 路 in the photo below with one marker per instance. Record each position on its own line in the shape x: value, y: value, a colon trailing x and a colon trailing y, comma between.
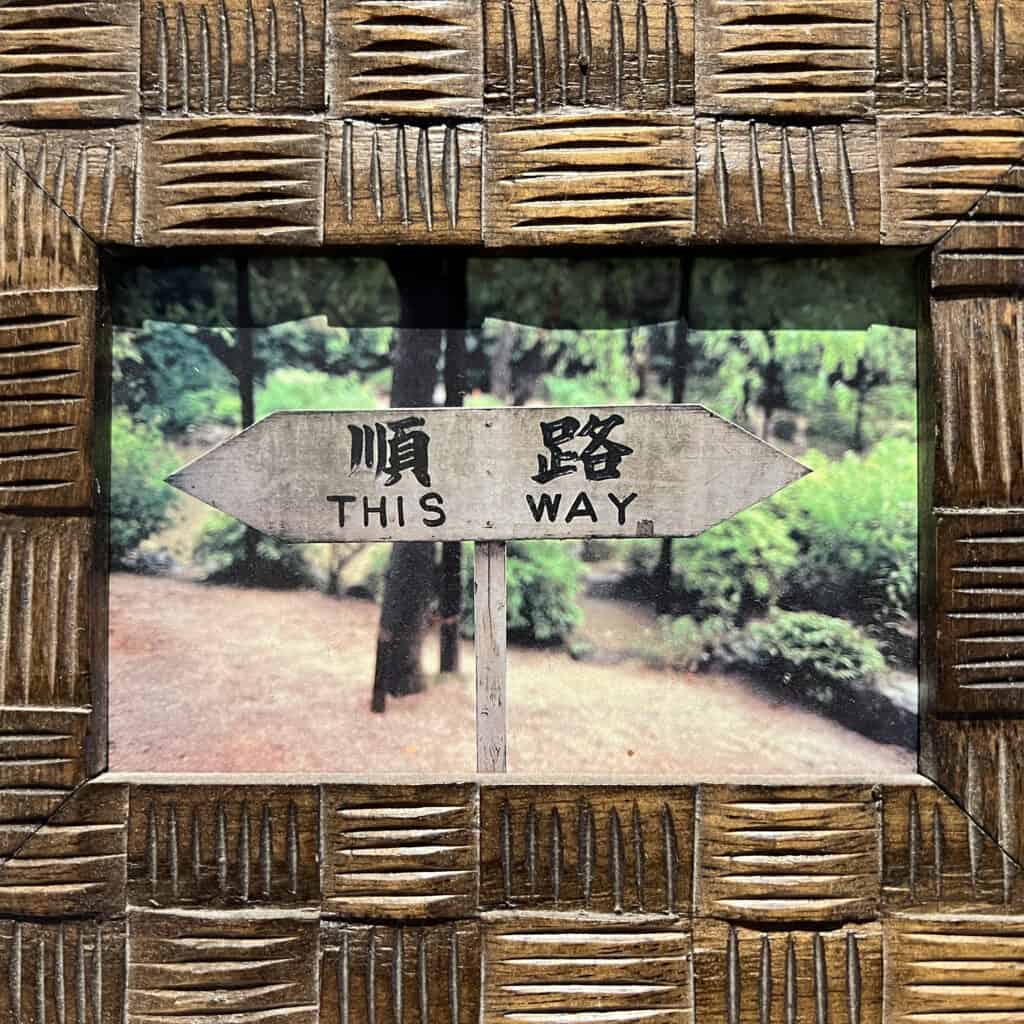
x: 600, y: 457
x: 405, y: 449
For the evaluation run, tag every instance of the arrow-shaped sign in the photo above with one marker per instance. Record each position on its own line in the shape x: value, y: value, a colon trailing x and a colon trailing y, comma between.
x: 488, y: 474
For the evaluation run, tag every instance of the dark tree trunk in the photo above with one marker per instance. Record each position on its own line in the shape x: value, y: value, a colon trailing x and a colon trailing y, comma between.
x: 450, y: 597
x: 682, y: 356
x: 409, y: 583
x: 245, y: 374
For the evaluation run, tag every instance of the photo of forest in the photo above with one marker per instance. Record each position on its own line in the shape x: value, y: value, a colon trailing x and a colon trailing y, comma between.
x: 782, y: 641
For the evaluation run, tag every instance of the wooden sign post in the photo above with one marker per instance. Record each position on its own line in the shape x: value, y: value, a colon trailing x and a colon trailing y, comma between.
x: 488, y: 475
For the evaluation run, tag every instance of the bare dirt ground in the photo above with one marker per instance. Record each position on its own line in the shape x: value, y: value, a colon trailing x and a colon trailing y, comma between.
x: 207, y: 678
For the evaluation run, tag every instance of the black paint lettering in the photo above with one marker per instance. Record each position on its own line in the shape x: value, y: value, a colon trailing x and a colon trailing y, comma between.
x: 401, y: 510
x: 380, y: 510
x: 431, y: 503
x: 545, y: 505
x: 622, y: 504
x: 581, y: 506
x: 341, y: 499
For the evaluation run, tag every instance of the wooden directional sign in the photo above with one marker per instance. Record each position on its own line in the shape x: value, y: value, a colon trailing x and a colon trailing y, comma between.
x: 488, y: 474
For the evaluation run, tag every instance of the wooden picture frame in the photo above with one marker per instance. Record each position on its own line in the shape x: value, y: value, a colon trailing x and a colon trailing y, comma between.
x: 785, y: 122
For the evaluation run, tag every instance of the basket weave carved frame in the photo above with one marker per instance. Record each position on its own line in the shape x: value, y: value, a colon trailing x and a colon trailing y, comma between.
x: 511, y: 123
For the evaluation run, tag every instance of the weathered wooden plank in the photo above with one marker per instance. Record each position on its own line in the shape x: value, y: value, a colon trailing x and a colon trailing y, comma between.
x: 958, y: 56
x: 47, y: 350
x: 490, y: 645
x: 748, y: 976
x: 935, y: 168
x: 232, y: 181
x: 954, y: 967
x: 395, y: 58
x: 215, y: 845
x: 405, y: 182
x: 606, y: 849
x: 232, y: 56
x: 549, y: 968
x: 69, y: 60
x: 589, y: 177
x: 770, y: 182
x: 370, y: 973
x: 489, y: 474
x: 400, y: 852
x: 66, y: 972
x: 813, y: 58
x: 788, y: 853
x: 547, y: 54
x: 211, y: 966
x: 75, y: 863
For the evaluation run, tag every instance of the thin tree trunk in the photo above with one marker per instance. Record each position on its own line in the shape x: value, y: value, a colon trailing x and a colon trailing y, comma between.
x: 245, y: 373
x: 450, y: 597
x: 858, y: 423
x: 409, y: 583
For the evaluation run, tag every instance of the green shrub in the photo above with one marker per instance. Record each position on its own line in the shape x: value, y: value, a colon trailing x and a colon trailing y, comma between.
x: 684, y: 644
x: 818, y: 657
x: 221, y: 548
x: 733, y: 571
x: 140, y: 501
x: 292, y: 388
x: 544, y: 579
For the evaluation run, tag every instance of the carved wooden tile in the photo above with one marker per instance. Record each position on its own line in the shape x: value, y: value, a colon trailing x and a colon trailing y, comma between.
x: 69, y: 60
x: 787, y: 853
x: 75, y: 863
x: 589, y: 178
x: 68, y: 972
x: 41, y: 247
x: 42, y: 758
x: 232, y: 181
x: 46, y: 406
x: 936, y: 167
x: 953, y: 967
x: 748, y: 976
x: 403, y: 182
x: 546, y: 54
x: 787, y: 183
x: 547, y: 968
x: 222, y: 965
x: 785, y: 57
x: 934, y: 853
x: 405, y: 57
x: 595, y: 848
x: 239, y: 845
x: 950, y: 55
x: 400, y: 851
x: 418, y: 972
x: 216, y: 56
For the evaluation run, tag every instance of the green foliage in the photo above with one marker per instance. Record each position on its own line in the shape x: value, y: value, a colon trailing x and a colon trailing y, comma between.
x: 544, y: 579
x: 221, y: 548
x: 140, y: 501
x: 733, y: 571
x: 819, y: 657
x: 684, y: 644
x: 854, y: 522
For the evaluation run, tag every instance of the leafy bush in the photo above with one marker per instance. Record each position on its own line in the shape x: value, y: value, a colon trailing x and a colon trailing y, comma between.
x: 222, y: 548
x: 820, y: 657
x: 140, y: 501
x: 544, y: 579
x: 292, y: 388
x: 684, y: 644
x: 733, y: 571
x: 854, y: 522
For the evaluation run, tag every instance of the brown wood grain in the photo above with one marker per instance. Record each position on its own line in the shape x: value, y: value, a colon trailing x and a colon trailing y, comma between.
x: 609, y: 849
x: 221, y: 56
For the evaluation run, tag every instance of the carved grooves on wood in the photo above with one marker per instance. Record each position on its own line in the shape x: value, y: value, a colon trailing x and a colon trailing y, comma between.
x: 216, y: 56
x: 68, y: 61
x: 547, y: 969
x: 44, y: 582
x: 788, y: 854
x: 233, y: 180
x: 401, y: 852
x: 408, y: 57
x: 777, y: 57
x: 203, y: 966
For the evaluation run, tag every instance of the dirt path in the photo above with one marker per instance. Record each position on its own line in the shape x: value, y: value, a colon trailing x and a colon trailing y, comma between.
x: 210, y: 678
